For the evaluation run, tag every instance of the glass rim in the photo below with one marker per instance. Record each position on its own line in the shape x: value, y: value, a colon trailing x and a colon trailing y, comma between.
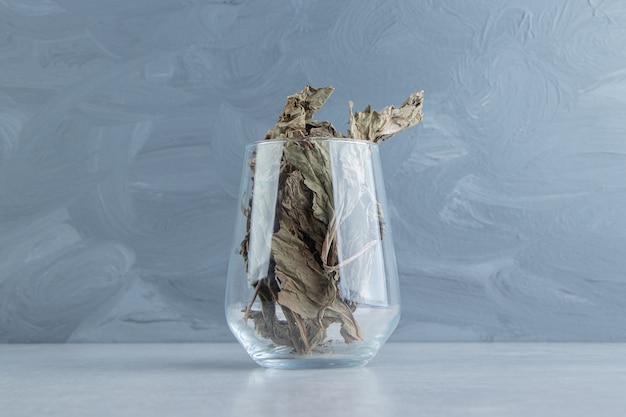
x: 312, y: 139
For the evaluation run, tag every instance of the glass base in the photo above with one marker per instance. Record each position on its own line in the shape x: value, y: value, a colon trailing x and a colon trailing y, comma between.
x: 311, y: 363
x: 329, y: 356
x: 376, y: 325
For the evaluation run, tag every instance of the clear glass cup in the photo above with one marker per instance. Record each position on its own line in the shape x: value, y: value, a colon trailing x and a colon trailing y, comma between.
x: 312, y: 278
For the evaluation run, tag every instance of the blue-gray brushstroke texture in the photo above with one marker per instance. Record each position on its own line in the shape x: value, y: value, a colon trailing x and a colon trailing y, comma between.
x: 123, y: 125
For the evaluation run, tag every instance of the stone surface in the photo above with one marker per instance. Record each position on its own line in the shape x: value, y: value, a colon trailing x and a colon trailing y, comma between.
x: 409, y: 379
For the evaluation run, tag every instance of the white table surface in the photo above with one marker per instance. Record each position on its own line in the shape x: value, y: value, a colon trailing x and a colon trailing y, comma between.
x: 404, y: 379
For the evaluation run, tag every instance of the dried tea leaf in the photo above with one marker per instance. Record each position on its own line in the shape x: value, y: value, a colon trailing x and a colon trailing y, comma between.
x: 303, y: 273
x: 379, y: 126
x: 299, y: 111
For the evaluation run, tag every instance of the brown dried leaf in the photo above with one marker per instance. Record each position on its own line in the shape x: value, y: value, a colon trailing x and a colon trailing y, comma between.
x: 303, y: 276
x: 298, y: 111
x: 379, y: 126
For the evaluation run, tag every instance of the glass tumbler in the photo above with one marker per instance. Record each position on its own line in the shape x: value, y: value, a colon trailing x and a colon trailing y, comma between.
x: 312, y: 278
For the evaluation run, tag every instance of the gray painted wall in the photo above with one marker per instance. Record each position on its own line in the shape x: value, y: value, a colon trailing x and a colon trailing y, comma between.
x: 123, y: 124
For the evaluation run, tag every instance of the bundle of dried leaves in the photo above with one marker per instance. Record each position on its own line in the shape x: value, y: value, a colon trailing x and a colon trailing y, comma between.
x: 303, y: 274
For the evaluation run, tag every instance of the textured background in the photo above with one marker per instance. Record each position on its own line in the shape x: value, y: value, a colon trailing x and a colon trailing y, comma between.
x: 123, y: 125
